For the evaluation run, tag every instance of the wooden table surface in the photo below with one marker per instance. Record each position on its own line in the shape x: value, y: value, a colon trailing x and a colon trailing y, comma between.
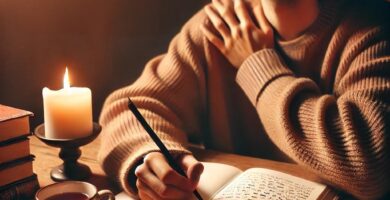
x: 47, y: 158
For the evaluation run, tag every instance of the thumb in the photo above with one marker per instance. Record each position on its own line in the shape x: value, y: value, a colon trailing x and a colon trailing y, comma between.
x: 192, y: 167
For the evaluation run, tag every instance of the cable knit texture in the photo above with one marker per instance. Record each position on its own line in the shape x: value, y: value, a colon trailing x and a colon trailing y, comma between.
x: 322, y: 99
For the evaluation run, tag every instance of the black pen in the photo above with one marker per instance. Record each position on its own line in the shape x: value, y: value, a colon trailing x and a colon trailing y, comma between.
x: 158, y: 142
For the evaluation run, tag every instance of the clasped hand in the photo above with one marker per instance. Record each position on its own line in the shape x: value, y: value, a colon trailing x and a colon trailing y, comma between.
x: 238, y: 35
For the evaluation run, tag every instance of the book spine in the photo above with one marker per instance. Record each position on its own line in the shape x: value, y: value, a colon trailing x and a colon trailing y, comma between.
x: 21, y: 191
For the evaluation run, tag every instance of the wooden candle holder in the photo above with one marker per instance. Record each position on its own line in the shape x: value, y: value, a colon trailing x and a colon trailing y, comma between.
x: 70, y: 169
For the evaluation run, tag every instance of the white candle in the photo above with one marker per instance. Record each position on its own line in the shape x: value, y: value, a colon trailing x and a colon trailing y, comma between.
x: 67, y: 112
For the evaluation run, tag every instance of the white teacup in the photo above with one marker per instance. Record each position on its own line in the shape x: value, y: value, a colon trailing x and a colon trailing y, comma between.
x: 75, y: 188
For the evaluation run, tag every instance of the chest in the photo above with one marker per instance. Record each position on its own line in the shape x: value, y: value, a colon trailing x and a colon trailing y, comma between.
x: 233, y: 121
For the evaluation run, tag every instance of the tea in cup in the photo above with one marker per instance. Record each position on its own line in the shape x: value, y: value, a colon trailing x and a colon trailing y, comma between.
x: 72, y: 190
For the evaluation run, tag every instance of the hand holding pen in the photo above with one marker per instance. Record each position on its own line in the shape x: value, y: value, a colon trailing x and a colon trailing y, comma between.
x: 163, y: 177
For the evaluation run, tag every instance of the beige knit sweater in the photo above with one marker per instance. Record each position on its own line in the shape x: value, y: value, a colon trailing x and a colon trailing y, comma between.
x: 322, y: 99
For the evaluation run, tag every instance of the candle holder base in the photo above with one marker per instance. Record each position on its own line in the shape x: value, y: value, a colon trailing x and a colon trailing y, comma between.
x: 70, y: 169
x: 76, y: 172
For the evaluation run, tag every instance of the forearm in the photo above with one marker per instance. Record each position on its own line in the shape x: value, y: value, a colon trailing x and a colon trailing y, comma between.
x: 124, y: 141
x: 343, y: 139
x: 170, y: 94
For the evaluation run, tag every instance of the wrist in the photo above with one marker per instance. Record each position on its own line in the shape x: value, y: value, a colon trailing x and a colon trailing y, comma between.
x: 258, y: 70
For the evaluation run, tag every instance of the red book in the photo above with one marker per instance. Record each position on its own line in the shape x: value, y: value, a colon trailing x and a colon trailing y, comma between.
x: 14, y: 123
x: 16, y: 170
x: 21, y: 189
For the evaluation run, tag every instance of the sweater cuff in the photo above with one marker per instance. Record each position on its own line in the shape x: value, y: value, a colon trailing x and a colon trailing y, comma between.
x: 127, y: 168
x: 258, y: 70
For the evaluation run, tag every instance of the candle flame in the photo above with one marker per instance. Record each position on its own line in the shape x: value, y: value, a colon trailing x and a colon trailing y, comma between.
x: 66, y: 79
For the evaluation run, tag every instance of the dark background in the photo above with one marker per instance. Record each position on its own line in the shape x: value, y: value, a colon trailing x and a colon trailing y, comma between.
x: 105, y: 44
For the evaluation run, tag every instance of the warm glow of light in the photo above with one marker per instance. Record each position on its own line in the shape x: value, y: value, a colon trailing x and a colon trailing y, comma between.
x: 66, y: 79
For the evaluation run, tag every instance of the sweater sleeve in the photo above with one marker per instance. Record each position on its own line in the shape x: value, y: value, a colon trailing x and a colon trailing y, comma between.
x: 343, y: 136
x: 170, y: 94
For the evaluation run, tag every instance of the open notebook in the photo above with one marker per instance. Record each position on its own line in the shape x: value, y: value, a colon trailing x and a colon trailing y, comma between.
x: 220, y: 181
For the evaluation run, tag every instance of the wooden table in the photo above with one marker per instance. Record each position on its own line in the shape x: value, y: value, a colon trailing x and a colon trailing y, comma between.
x: 47, y: 157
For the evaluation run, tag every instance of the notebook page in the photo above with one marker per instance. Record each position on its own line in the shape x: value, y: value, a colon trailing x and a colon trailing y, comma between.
x: 124, y: 196
x: 214, y: 177
x: 259, y: 184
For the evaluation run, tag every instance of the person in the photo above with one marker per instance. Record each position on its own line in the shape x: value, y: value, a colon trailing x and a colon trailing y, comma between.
x: 309, y: 79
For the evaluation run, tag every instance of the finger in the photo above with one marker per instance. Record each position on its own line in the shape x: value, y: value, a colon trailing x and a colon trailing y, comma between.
x: 215, y: 40
x: 217, y: 22
x: 242, y: 13
x: 225, y: 10
x: 261, y: 19
x: 145, y: 192
x: 142, y: 195
x: 157, y: 163
x: 167, y: 191
x: 193, y: 167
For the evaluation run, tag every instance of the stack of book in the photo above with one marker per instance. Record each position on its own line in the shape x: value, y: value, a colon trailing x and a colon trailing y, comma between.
x: 17, y: 179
